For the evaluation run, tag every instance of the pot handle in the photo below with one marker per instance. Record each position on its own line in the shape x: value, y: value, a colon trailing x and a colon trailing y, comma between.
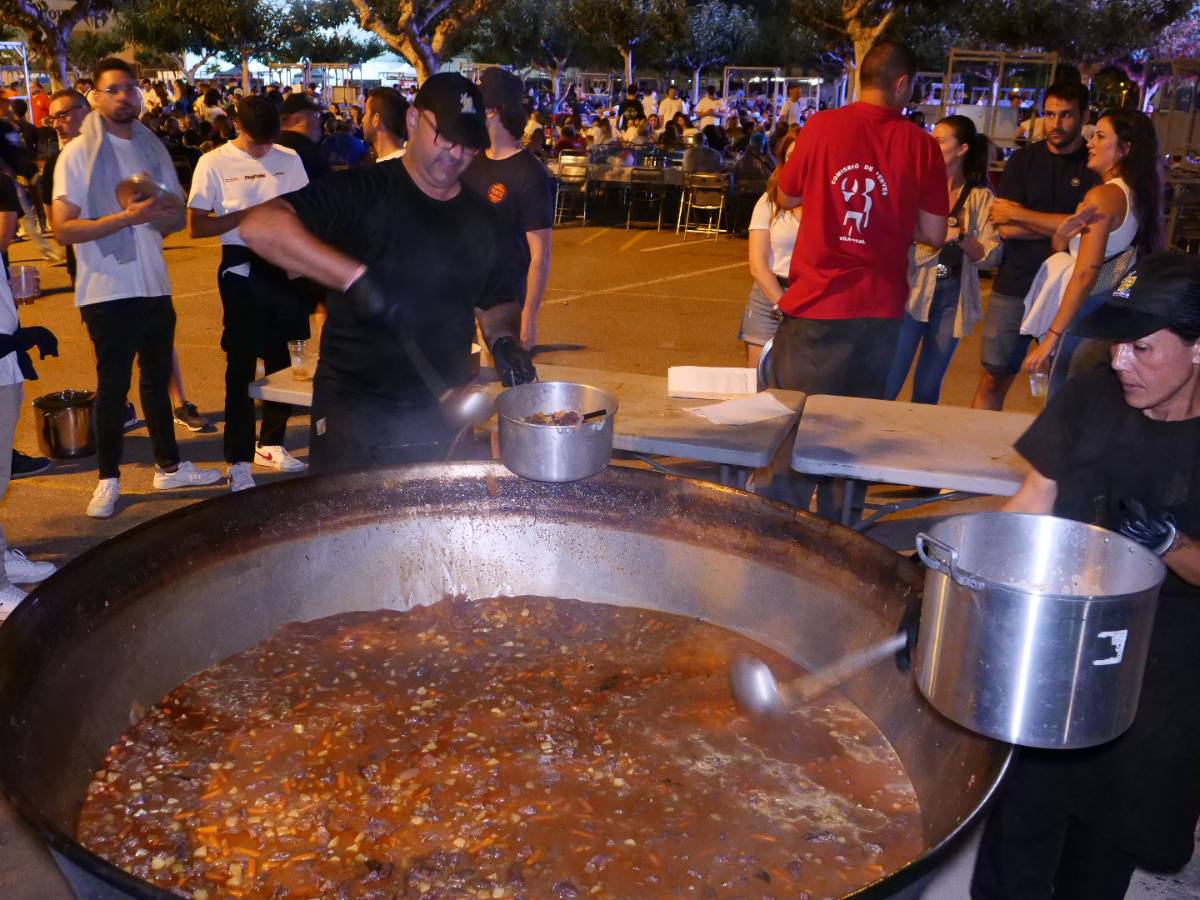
x: 946, y: 564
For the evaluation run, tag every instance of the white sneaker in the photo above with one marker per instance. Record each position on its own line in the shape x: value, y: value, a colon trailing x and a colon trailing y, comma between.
x: 20, y: 569
x: 104, y: 500
x: 278, y: 458
x: 10, y: 599
x: 187, y: 475
x: 240, y: 478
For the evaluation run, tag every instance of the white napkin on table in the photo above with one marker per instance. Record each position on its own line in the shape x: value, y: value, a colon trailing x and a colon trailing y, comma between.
x: 744, y: 410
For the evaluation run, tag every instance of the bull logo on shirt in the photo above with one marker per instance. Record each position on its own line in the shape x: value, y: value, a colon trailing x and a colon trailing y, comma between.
x: 856, y: 192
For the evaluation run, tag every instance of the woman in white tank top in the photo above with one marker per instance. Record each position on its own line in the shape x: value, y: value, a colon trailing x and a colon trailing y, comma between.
x: 1120, y: 213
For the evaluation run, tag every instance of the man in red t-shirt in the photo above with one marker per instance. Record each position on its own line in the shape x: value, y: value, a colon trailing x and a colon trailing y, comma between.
x: 870, y: 183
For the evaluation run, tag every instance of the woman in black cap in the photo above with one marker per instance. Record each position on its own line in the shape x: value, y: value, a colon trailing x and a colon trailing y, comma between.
x: 1119, y: 447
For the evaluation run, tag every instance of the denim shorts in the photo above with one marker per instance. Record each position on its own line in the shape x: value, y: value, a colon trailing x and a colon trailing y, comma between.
x: 1004, y: 347
x: 760, y: 320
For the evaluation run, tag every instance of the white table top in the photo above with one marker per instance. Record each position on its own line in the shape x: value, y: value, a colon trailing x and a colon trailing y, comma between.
x: 913, y: 444
x: 648, y: 421
x: 283, y: 388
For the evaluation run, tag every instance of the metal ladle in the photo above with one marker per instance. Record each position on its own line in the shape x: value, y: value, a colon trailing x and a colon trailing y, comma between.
x: 759, y: 695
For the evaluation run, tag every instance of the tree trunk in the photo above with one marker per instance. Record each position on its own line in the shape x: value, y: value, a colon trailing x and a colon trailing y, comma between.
x: 58, y: 76
x: 556, y: 81
x: 862, y: 35
x: 246, y: 71
x: 696, y: 85
x: 627, y: 55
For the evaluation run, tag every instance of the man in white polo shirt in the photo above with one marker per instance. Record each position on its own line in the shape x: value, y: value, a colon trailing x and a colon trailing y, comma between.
x: 121, y: 285
x: 263, y: 310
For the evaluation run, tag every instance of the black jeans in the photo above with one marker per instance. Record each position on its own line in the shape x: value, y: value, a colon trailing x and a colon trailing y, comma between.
x: 251, y: 332
x: 1033, y: 849
x: 141, y: 327
x: 351, y: 431
x: 842, y: 357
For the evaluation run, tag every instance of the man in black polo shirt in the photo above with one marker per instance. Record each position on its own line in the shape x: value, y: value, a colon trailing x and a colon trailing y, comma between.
x: 519, y: 188
x: 1042, y: 184
x: 416, y: 258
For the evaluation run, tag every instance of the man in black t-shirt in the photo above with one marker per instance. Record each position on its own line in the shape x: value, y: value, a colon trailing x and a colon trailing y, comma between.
x: 519, y: 189
x: 629, y: 108
x: 1041, y: 185
x: 416, y: 259
x: 300, y: 130
x: 1119, y: 448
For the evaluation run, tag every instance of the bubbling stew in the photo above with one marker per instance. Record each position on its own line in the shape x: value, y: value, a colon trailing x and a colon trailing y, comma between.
x: 512, y: 747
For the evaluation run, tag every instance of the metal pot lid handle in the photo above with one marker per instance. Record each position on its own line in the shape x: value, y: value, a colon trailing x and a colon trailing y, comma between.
x: 947, y: 564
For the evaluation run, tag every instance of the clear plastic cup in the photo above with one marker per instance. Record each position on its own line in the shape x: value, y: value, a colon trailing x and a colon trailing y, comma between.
x: 301, y: 368
x: 1039, y: 384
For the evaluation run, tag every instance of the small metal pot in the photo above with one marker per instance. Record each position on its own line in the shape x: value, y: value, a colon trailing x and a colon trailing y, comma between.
x: 1034, y: 629
x: 553, y: 452
x: 65, y: 426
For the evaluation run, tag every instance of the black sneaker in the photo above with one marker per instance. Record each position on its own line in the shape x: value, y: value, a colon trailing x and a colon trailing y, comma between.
x: 24, y: 465
x: 189, y: 417
x: 131, y: 417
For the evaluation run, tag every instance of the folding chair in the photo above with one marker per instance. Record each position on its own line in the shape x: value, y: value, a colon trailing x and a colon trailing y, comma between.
x: 648, y: 187
x: 572, y: 186
x: 703, y: 198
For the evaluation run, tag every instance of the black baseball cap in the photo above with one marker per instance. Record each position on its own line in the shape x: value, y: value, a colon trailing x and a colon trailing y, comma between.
x: 457, y: 107
x: 501, y: 89
x: 297, y: 101
x: 1162, y: 291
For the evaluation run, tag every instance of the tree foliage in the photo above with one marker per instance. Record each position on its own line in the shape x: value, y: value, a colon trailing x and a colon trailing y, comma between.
x: 535, y: 34
x: 630, y: 25
x: 48, y: 27
x: 420, y: 30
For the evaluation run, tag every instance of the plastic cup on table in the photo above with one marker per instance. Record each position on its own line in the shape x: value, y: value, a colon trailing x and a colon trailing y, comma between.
x: 301, y: 370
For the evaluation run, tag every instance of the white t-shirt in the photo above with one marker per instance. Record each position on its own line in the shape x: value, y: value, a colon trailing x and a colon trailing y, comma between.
x: 707, y: 110
x: 100, y: 278
x: 229, y: 179
x: 395, y: 154
x: 10, y: 369
x: 783, y: 230
x: 668, y: 107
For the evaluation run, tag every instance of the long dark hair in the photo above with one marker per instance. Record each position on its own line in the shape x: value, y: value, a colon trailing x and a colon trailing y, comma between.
x: 975, y: 163
x: 1142, y: 171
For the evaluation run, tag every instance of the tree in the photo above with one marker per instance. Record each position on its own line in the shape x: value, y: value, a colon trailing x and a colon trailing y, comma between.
x: 161, y: 36
x: 86, y: 48
x: 419, y: 30
x: 236, y: 30
x: 854, y: 25
x: 626, y: 25
x: 48, y: 28
x: 315, y: 32
x: 539, y: 34
x: 716, y: 31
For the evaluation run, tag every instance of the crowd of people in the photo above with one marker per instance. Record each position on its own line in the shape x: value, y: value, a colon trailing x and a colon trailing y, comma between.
x: 399, y: 226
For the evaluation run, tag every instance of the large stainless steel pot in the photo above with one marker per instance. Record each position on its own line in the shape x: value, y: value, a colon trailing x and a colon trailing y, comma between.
x: 1034, y: 629
x: 126, y: 622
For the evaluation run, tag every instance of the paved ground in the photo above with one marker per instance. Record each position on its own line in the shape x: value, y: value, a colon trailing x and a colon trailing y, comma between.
x: 638, y: 301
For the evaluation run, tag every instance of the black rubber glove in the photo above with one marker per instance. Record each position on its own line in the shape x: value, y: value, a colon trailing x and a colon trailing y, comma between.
x: 37, y: 336
x: 513, y: 362
x: 910, y: 627
x: 1155, y: 532
x: 371, y: 303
